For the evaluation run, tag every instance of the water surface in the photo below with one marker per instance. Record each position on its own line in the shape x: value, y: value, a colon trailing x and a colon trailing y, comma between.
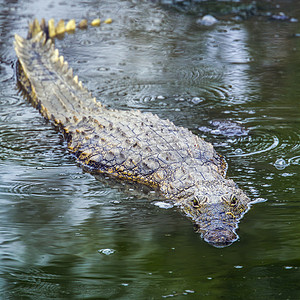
x: 66, y: 235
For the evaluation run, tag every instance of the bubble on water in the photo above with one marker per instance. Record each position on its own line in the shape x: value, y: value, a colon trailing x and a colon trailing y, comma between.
x: 238, y: 267
x: 115, y: 202
x: 238, y: 151
x: 280, y: 164
x: 168, y: 296
x: 287, y: 174
x: 164, y: 205
x: 107, y: 251
x: 207, y: 20
x: 196, y: 100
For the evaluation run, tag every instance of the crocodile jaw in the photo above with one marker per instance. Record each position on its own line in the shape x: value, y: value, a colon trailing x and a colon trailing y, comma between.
x: 220, y: 237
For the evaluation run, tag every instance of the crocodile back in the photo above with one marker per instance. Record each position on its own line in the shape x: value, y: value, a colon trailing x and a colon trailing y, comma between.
x: 126, y: 144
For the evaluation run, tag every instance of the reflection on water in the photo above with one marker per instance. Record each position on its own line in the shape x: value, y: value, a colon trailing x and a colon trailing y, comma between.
x: 65, y: 234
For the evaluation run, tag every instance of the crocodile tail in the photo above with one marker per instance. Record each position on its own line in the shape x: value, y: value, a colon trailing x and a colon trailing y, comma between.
x: 46, y: 78
x: 52, y: 31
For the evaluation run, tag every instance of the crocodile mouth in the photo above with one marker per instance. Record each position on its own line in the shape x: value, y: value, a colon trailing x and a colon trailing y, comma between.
x: 220, y: 237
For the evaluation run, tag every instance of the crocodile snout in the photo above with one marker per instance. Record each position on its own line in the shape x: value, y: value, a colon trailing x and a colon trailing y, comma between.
x: 220, y: 237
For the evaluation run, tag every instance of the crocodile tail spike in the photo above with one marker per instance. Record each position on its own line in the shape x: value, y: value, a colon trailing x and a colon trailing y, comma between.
x: 35, y: 27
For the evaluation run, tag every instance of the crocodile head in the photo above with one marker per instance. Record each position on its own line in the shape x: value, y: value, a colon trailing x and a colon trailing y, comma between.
x: 216, y: 213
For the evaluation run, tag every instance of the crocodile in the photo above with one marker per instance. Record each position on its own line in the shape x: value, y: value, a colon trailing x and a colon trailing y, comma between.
x: 131, y: 145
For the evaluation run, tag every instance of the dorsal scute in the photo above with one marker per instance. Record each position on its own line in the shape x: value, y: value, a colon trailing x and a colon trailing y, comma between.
x: 50, y: 77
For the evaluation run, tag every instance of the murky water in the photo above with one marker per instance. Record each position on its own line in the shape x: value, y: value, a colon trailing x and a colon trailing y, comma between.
x: 66, y: 235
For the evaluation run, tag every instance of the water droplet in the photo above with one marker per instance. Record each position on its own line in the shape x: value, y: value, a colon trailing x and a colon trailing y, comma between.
x: 107, y: 251
x: 54, y: 189
x: 102, y: 69
x: 190, y: 291
x: 146, y: 99
x: 125, y: 284
x: 196, y: 100
x: 287, y: 174
x: 238, y: 151
x: 207, y: 20
x: 238, y: 267
x: 280, y: 164
x: 115, y: 202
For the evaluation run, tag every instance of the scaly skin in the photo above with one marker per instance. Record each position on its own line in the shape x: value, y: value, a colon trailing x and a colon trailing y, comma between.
x: 132, y: 145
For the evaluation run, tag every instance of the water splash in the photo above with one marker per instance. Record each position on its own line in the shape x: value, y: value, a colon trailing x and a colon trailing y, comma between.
x: 164, y: 205
x: 107, y: 251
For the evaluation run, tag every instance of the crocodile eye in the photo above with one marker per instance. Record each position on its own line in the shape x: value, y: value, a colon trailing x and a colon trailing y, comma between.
x: 233, y: 200
x: 195, y: 203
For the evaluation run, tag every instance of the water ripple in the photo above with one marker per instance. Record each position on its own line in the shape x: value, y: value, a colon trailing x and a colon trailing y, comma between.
x: 201, y: 74
x: 43, y: 282
x: 278, y: 147
x: 258, y: 145
x: 24, y: 189
x: 6, y: 70
x: 294, y: 160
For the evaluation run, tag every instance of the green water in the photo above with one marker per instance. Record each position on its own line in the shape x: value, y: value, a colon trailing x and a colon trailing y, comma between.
x: 66, y: 235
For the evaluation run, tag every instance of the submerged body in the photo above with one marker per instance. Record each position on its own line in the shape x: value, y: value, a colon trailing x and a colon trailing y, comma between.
x: 132, y: 145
